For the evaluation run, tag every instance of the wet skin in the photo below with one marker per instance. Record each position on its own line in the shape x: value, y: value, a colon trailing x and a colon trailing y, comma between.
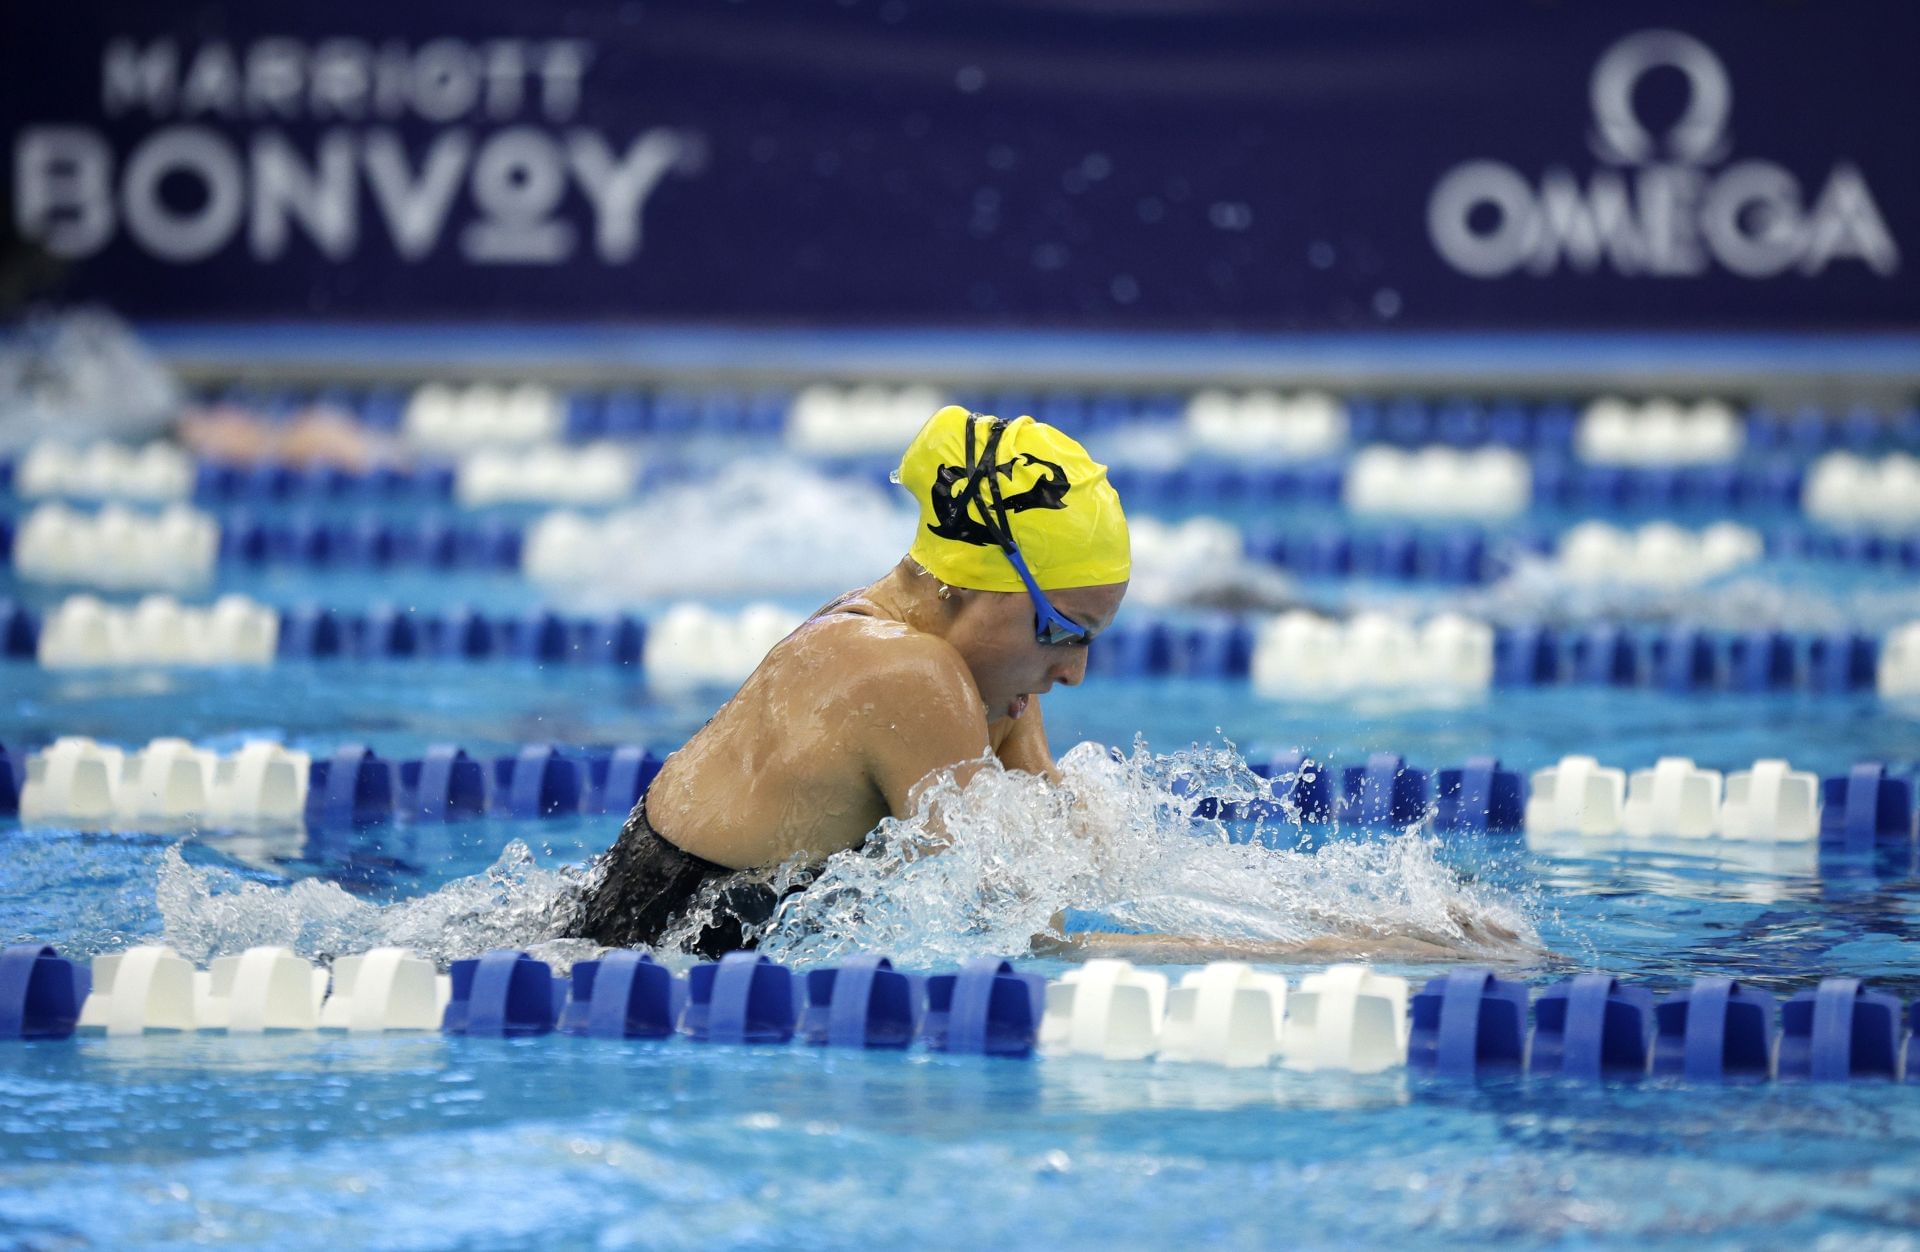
x: 849, y: 715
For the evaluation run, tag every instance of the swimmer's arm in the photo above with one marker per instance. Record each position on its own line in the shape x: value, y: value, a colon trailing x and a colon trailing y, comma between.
x: 1021, y: 743
x: 1188, y: 949
x: 922, y: 719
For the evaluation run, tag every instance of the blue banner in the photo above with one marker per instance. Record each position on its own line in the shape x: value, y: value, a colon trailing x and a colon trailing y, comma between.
x: 1310, y: 165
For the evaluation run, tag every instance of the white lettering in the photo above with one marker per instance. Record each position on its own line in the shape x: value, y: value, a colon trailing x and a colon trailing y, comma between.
x: 618, y: 192
x: 183, y: 234
x: 392, y: 80
x: 340, y: 79
x: 518, y: 180
x: 64, y: 181
x: 276, y: 70
x: 212, y: 84
x: 1750, y: 219
x: 1586, y: 227
x: 415, y: 208
x: 1486, y: 252
x: 132, y: 79
x: 1669, y: 197
x: 1845, y: 222
x: 1672, y: 215
x: 321, y: 199
x: 562, y: 68
x: 506, y: 67
x: 446, y: 80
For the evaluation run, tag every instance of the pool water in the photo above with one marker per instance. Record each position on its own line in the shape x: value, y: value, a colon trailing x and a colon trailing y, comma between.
x: 303, y: 1141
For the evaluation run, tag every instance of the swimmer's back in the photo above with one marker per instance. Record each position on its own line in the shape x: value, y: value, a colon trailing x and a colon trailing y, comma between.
x: 802, y: 760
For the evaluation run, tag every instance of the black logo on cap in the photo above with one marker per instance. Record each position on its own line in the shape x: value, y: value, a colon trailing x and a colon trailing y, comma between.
x: 956, y: 521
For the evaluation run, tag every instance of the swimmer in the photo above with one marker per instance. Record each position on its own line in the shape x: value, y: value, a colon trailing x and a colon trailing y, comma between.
x: 1019, y: 562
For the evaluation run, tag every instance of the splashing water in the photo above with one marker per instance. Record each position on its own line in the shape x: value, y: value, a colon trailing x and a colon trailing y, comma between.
x: 1119, y: 838
x: 514, y: 904
x: 980, y: 869
x: 757, y: 528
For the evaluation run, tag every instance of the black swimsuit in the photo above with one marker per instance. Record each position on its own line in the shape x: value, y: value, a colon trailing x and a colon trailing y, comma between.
x: 646, y: 885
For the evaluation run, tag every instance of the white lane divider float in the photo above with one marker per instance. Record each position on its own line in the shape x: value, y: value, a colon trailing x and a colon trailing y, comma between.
x: 1266, y: 425
x: 835, y: 421
x: 1487, y: 482
x: 1657, y: 554
x: 1898, y: 676
x: 446, y: 418
x: 1298, y: 654
x: 1226, y: 1013
x: 1675, y: 798
x: 142, y: 989
x: 77, y: 782
x: 1769, y: 803
x: 1660, y: 431
x: 1106, y: 1008
x: 153, y: 988
x: 118, y: 548
x: 691, y: 645
x: 154, y: 472
x: 83, y: 631
x: 385, y: 989
x: 1347, y: 1018
x: 600, y: 473
x: 261, y: 989
x: 1853, y: 490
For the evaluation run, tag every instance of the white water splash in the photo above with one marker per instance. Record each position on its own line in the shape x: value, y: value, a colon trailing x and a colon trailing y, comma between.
x: 514, y: 904
x: 976, y: 870
x: 759, y: 528
x: 1118, y: 839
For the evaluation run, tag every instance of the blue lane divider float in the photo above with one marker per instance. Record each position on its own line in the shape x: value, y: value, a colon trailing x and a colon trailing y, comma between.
x: 1384, y: 791
x: 353, y: 787
x: 1684, y: 659
x: 1456, y: 555
x: 502, y: 993
x: 741, y: 998
x: 356, y: 787
x: 1220, y: 647
x: 13, y: 777
x: 1453, y: 420
x: 317, y: 633
x: 623, y: 995
x: 443, y: 786
x: 1591, y: 1026
x: 986, y: 1009
x: 1865, y: 806
x: 1714, y: 1031
x: 1468, y: 1022
x: 1838, y: 1031
x: 861, y: 1003
x: 41, y: 992
x: 1481, y: 798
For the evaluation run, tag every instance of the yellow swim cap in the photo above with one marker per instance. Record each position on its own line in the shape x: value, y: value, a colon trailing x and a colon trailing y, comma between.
x: 1052, y: 498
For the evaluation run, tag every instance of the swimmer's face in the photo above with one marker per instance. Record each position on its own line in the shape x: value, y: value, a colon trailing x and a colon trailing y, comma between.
x: 994, y: 633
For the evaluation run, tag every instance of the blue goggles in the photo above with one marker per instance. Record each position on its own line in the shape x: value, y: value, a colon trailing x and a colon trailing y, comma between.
x: 1050, y: 626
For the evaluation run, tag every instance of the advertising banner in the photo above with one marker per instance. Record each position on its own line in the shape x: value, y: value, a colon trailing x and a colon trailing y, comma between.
x: 1300, y: 165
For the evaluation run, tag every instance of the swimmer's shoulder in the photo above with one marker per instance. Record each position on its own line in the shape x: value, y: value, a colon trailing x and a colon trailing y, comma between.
x: 875, y: 661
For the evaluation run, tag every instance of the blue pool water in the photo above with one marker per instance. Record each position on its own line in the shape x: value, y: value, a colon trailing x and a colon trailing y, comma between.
x: 430, y: 1142
x: 309, y: 1141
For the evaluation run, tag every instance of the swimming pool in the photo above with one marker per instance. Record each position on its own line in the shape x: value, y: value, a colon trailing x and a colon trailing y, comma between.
x: 445, y: 1141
